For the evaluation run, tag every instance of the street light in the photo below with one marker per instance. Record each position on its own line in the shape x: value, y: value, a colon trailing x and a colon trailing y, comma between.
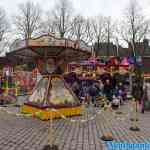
x: 136, y: 91
x: 134, y: 88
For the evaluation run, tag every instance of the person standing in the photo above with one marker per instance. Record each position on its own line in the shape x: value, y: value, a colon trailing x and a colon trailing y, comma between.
x: 144, y: 98
x: 83, y: 93
x: 100, y: 87
x: 108, y: 90
x: 145, y: 102
x: 75, y: 88
x: 93, y: 91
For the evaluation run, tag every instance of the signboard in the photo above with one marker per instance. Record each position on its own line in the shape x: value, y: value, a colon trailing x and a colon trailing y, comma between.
x: 42, y: 41
x: 48, y: 40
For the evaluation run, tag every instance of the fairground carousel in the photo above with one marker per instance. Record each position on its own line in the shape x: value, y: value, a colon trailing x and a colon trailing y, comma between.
x: 51, y: 56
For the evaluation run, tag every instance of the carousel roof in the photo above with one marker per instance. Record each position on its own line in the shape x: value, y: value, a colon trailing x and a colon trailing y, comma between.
x: 49, y: 46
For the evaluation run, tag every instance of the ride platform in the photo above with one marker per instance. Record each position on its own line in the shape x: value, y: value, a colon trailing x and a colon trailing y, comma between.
x: 51, y: 113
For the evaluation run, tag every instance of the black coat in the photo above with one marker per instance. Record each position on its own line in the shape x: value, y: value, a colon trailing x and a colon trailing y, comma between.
x: 93, y: 91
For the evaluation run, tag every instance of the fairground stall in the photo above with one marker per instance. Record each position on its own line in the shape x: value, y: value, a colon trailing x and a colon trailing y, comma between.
x: 94, y: 68
x: 94, y: 71
x: 8, y: 90
x: 51, y: 56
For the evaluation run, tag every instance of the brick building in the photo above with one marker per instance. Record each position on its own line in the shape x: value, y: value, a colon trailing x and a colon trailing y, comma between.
x: 141, y: 49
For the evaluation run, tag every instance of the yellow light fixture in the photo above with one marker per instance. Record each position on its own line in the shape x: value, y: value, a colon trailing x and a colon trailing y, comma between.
x: 94, y: 74
x: 83, y: 75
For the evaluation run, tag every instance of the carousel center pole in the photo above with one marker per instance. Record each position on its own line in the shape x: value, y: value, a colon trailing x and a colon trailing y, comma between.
x: 51, y: 131
x: 50, y: 145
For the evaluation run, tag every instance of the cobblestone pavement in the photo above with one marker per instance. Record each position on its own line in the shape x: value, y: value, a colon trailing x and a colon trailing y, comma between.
x: 20, y: 133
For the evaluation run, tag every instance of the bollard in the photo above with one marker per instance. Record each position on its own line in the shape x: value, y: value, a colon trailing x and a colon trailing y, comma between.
x: 135, y: 120
x: 108, y: 135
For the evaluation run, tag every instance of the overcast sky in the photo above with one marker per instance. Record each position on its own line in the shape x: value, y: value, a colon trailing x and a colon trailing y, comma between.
x: 112, y: 8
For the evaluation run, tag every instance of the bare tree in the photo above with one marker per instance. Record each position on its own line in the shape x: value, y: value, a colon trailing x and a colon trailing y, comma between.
x: 78, y: 28
x: 28, y: 19
x: 89, y: 32
x: 4, y: 30
x: 100, y: 29
x: 109, y: 30
x: 48, y: 25
x: 62, y: 16
x: 3, y: 24
x: 134, y: 27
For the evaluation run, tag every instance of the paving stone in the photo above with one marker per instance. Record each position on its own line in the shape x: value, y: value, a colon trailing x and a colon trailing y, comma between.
x: 20, y: 133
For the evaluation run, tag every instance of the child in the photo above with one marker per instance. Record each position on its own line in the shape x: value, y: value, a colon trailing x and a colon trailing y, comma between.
x: 93, y: 91
x: 115, y: 102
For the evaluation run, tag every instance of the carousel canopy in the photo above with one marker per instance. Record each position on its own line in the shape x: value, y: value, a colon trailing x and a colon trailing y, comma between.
x: 49, y: 46
x: 58, y: 94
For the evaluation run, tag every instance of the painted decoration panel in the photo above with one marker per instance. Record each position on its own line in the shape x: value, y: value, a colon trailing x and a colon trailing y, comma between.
x: 39, y: 92
x: 59, y: 94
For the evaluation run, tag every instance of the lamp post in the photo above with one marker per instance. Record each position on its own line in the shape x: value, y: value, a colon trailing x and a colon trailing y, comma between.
x: 136, y: 92
x: 132, y: 67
